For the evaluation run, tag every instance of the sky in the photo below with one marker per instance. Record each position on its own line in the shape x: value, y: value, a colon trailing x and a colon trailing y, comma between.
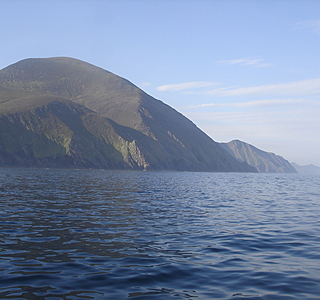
x: 241, y: 69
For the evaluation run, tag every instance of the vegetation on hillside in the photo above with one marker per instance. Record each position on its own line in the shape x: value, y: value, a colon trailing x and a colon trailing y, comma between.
x: 62, y: 112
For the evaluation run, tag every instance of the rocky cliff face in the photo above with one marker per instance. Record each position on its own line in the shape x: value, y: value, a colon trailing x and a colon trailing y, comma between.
x: 62, y: 112
x: 62, y: 134
x: 264, y: 162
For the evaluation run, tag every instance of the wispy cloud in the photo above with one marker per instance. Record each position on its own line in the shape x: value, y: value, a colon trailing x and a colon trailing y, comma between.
x: 303, y: 87
x: 247, y: 61
x: 313, y: 25
x: 186, y: 86
x: 248, y: 104
x: 262, y: 123
x: 285, y: 126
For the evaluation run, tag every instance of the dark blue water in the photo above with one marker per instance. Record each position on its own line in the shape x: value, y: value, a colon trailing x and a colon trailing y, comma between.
x: 87, y: 234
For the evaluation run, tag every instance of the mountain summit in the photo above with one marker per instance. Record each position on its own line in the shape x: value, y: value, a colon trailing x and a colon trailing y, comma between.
x: 63, y: 112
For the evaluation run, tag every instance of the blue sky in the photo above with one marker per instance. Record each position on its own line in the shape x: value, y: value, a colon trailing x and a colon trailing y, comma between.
x: 247, y: 70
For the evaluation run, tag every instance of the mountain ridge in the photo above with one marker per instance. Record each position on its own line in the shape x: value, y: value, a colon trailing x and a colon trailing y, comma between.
x: 264, y: 162
x: 306, y: 169
x: 86, y: 116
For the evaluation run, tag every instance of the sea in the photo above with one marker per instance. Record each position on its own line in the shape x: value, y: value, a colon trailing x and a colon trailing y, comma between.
x: 99, y: 234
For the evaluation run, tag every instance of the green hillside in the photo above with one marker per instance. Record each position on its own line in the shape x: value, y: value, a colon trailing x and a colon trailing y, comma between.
x: 62, y: 112
x: 264, y: 162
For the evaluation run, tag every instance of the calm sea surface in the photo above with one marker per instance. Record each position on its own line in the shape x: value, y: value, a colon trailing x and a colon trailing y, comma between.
x: 94, y: 234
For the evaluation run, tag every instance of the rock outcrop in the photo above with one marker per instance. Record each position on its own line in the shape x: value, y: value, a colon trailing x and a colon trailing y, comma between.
x: 63, y: 112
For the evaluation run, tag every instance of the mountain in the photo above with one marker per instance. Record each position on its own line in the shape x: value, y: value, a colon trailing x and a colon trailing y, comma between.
x: 308, y: 169
x: 63, y: 112
x: 264, y: 162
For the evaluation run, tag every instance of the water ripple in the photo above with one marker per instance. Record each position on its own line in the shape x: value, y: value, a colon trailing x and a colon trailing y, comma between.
x: 86, y: 234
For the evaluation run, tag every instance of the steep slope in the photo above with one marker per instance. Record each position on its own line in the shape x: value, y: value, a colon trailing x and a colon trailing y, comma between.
x: 60, y: 133
x: 97, y: 89
x: 264, y: 162
x: 97, y: 119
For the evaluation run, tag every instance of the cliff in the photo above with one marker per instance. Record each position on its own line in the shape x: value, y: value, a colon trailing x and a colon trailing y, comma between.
x: 63, y: 112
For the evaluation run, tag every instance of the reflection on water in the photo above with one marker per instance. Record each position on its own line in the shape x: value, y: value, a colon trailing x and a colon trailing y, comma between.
x: 93, y: 234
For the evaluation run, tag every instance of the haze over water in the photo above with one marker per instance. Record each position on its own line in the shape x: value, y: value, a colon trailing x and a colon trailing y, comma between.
x: 95, y: 234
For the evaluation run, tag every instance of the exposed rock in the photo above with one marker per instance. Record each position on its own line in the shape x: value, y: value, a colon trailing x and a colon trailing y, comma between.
x: 62, y: 112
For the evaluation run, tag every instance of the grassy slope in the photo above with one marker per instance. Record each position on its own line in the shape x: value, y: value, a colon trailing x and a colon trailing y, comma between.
x: 264, y: 162
x: 159, y: 136
x: 36, y: 126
